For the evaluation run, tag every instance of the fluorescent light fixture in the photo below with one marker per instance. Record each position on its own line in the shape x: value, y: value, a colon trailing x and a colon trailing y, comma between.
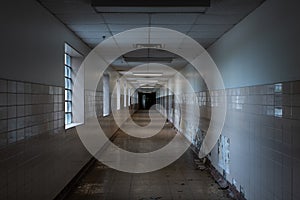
x: 125, y: 72
x: 150, y: 9
x: 147, y: 91
x: 147, y: 81
x: 148, y: 45
x: 150, y: 6
x: 147, y: 74
x: 149, y: 59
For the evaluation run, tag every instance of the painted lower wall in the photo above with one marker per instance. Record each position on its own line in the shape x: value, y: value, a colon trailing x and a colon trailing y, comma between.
x: 263, y: 48
x: 32, y: 43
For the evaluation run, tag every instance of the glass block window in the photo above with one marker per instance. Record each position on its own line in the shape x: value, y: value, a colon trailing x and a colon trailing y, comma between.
x: 125, y: 94
x: 278, y: 88
x: 68, y: 90
x: 118, y: 95
x: 106, y: 100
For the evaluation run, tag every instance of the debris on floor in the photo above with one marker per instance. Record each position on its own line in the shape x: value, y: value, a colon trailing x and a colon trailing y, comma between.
x: 223, y: 184
x: 151, y: 198
x: 180, y: 180
x: 155, y: 198
x: 219, y: 180
x: 199, y: 164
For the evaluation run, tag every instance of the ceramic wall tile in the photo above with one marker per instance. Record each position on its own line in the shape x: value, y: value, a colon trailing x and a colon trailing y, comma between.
x: 267, y: 116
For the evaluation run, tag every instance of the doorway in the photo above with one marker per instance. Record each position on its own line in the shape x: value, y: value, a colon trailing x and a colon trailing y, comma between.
x: 146, y: 100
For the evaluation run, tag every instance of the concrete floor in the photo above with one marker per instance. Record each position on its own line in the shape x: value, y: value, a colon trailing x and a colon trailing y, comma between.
x: 180, y: 180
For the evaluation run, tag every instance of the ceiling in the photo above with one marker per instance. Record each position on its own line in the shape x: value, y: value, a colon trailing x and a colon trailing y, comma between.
x: 138, y: 57
x: 149, y: 75
x: 206, y: 28
x: 94, y: 27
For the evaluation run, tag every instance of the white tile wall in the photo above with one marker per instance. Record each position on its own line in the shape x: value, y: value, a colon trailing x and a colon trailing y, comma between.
x: 37, y: 157
x: 265, y: 146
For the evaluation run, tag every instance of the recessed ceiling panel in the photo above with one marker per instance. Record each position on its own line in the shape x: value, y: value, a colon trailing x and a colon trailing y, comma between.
x: 150, y: 3
x: 233, y: 7
x: 81, y: 19
x: 205, y: 34
x: 121, y: 18
x: 183, y: 28
x: 123, y: 27
x: 177, y: 18
x: 93, y: 34
x: 150, y: 53
x: 91, y: 27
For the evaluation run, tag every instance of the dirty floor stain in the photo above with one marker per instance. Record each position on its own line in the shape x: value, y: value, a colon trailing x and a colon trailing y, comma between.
x: 180, y: 180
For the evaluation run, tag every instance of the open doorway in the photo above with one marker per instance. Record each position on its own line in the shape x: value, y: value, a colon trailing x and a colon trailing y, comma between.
x: 146, y: 100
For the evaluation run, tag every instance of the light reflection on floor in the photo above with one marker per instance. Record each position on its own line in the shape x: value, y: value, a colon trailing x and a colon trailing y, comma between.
x: 180, y: 180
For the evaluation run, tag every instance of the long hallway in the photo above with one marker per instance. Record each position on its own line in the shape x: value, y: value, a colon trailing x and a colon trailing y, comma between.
x: 149, y: 99
x: 180, y: 180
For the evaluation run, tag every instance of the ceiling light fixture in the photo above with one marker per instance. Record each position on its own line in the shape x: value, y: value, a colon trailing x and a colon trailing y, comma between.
x: 147, y: 74
x: 147, y: 81
x: 151, y: 6
x: 147, y: 46
x: 148, y: 59
x: 125, y: 72
x: 147, y: 87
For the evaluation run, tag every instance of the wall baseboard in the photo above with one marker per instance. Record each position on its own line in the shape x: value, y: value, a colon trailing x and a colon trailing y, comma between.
x: 67, y: 189
x: 216, y: 175
x: 234, y: 193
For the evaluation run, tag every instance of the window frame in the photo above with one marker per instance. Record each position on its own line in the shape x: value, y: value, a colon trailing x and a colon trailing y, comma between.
x: 68, y: 65
x: 106, y: 98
